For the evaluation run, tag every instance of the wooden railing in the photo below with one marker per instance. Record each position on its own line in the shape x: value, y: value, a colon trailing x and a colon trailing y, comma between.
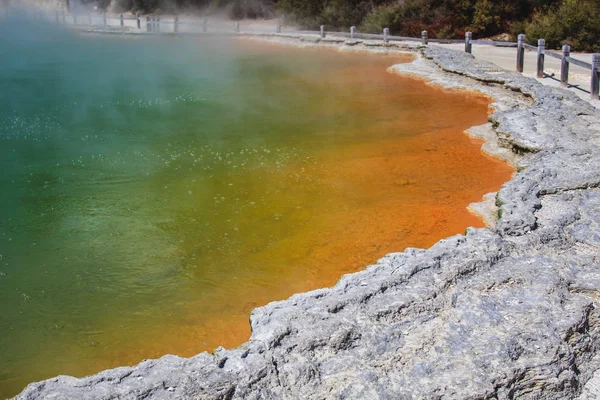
x: 173, y: 25
x: 565, y: 60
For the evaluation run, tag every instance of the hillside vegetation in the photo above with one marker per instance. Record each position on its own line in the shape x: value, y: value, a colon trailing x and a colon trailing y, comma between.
x: 576, y: 22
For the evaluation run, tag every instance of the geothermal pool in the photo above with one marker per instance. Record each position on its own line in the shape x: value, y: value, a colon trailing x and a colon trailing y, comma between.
x: 155, y: 190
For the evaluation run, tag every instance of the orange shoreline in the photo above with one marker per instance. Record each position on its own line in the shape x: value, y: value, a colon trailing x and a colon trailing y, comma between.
x: 398, y: 186
x: 394, y: 222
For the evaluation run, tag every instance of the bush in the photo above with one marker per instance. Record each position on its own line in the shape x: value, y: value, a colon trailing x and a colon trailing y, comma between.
x: 574, y: 22
x: 251, y: 9
x: 486, y: 18
x: 381, y: 17
x: 410, y: 17
x: 335, y: 14
x: 304, y: 12
x: 341, y: 14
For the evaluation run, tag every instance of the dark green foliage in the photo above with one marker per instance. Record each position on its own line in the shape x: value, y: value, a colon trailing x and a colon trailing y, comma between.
x: 251, y: 9
x: 143, y: 5
x: 305, y: 12
x: 576, y: 22
x: 238, y: 9
x: 441, y: 18
x: 451, y: 18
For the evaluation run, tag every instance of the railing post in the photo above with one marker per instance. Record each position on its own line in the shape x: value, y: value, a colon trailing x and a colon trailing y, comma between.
x: 278, y: 27
x: 157, y: 23
x: 595, y: 90
x: 138, y: 20
x: 205, y: 25
x: 564, y: 65
x: 322, y: 31
x: 104, y: 18
x: 540, y: 57
x: 386, y: 34
x: 148, y: 24
x: 424, y: 38
x: 520, y: 52
x: 468, y: 37
x: 89, y: 18
x: 122, y: 20
x: 352, y: 32
x: 176, y: 24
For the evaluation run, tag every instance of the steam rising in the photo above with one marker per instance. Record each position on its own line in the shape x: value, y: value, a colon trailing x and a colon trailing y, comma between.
x: 141, y: 173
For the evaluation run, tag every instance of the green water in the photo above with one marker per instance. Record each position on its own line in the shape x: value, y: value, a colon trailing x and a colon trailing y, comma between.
x: 155, y: 190
x: 132, y: 171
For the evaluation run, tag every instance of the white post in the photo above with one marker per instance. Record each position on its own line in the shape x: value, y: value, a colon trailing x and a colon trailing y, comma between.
x: 322, y: 31
x: 424, y: 38
x: 386, y: 34
x: 352, y: 32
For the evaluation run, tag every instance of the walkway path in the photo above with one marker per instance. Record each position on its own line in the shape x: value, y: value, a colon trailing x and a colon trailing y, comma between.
x: 506, y: 57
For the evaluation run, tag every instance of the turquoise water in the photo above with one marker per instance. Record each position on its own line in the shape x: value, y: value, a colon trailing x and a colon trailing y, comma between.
x: 132, y: 171
x: 155, y: 190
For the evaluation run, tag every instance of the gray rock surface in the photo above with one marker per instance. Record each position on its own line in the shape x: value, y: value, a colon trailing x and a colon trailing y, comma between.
x: 500, y: 313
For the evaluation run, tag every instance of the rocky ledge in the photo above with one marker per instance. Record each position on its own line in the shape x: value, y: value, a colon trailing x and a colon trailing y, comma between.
x: 502, y: 313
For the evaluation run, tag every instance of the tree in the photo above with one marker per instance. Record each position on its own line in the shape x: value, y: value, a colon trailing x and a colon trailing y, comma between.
x: 575, y: 22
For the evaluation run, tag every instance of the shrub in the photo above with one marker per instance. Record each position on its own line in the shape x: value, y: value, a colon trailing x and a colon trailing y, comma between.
x: 381, y: 17
x: 305, y: 12
x: 342, y: 14
x: 574, y: 22
x: 251, y: 9
x: 486, y: 18
x: 409, y: 18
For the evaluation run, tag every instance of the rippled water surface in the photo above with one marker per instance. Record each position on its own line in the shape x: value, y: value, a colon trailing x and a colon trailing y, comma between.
x: 155, y: 190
